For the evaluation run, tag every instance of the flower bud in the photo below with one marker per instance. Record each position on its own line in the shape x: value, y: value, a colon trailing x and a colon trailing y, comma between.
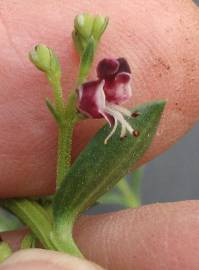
x: 99, y: 26
x: 87, y: 27
x: 84, y: 25
x: 45, y: 60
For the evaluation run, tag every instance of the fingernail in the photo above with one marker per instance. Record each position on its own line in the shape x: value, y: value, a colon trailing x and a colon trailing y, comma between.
x: 42, y: 259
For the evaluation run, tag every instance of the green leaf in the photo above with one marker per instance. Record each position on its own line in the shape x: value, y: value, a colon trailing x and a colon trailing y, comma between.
x: 5, y: 251
x: 39, y: 221
x: 29, y: 241
x: 86, y: 60
x: 99, y: 167
x: 8, y: 222
x: 135, y: 182
x: 129, y: 198
x: 34, y: 216
x: 111, y: 198
x: 53, y: 110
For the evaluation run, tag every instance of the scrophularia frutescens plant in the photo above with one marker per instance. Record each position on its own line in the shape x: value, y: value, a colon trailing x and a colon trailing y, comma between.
x: 107, y: 158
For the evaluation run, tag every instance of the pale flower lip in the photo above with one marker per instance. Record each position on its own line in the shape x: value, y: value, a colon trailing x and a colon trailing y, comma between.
x: 102, y: 98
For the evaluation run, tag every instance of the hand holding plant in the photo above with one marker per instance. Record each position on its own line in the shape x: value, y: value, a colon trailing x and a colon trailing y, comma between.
x: 74, y: 171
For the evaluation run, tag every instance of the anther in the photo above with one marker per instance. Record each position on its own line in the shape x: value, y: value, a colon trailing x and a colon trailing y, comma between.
x: 136, y: 133
x: 135, y: 114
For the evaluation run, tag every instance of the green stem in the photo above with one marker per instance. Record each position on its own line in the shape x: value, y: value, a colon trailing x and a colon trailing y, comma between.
x: 58, y: 94
x: 130, y: 199
x: 63, y: 159
x: 67, y: 116
x: 38, y: 220
x: 65, y: 138
x: 63, y: 234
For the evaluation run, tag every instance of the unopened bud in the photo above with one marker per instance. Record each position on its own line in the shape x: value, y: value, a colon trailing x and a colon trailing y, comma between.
x: 84, y: 25
x: 99, y: 26
x: 45, y: 60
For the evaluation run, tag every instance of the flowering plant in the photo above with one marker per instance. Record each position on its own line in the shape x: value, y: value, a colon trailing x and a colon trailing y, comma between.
x: 107, y: 158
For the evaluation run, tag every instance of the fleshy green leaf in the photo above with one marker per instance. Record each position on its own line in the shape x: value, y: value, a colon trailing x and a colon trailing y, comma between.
x: 99, y: 167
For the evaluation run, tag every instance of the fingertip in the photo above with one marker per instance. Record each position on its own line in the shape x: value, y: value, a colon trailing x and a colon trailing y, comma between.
x: 153, y: 237
x: 42, y: 259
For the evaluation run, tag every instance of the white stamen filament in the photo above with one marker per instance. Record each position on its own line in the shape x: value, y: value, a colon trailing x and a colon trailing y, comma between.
x: 106, y: 118
x: 118, y: 117
x: 123, y: 131
x: 112, y: 132
x: 123, y: 110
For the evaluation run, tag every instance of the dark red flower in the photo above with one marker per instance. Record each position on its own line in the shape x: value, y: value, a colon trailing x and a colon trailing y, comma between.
x: 101, y: 98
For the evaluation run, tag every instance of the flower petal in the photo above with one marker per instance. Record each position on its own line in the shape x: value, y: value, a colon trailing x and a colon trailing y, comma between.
x: 123, y: 65
x: 119, y: 89
x: 92, y: 99
x: 107, y: 68
x: 123, y: 77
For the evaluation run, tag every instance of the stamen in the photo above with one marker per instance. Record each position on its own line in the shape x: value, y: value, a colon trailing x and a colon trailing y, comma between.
x: 128, y: 127
x: 112, y: 132
x: 120, y: 109
x: 125, y: 126
x: 106, y: 118
x: 123, y: 131
x: 135, y: 114
x: 136, y: 133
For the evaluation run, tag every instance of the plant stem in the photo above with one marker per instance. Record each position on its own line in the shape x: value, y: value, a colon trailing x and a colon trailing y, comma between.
x: 63, y: 159
x: 58, y: 94
x: 67, y: 116
x: 63, y: 234
x: 38, y: 220
x: 65, y: 138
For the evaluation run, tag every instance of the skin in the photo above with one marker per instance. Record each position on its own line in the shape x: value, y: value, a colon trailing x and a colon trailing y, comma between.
x: 161, y: 42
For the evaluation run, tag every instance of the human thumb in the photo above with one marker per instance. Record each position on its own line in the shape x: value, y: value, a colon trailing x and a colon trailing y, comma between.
x: 39, y: 259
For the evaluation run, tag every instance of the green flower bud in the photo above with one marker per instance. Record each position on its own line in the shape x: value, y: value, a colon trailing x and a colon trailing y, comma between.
x: 45, y: 60
x: 99, y: 26
x: 86, y: 27
x: 84, y: 24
